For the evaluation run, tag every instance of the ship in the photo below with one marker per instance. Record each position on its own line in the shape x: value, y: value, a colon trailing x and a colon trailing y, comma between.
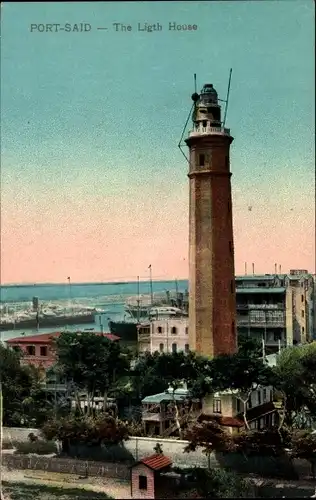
x: 128, y: 330
x: 32, y: 323
x: 147, y: 309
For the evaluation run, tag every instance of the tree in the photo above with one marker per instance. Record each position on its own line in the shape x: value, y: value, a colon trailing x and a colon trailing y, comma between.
x: 240, y: 373
x: 24, y: 401
x: 295, y: 375
x: 218, y: 483
x: 304, y: 446
x: 93, y: 431
x: 210, y: 437
x: 90, y: 363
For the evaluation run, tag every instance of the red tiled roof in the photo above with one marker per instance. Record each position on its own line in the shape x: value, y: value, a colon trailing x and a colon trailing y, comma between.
x: 46, y: 338
x: 156, y: 461
x: 231, y: 422
x: 224, y: 421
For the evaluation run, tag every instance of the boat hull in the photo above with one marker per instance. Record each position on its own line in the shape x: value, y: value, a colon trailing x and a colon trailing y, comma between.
x: 127, y: 331
x: 31, y: 324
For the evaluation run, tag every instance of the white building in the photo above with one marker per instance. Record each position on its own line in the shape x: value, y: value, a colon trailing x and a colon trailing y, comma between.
x: 164, y: 335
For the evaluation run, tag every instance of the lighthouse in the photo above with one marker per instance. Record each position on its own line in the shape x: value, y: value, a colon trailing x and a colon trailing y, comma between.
x: 212, y: 298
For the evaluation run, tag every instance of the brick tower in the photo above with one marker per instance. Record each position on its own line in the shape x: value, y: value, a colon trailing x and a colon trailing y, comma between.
x: 212, y: 300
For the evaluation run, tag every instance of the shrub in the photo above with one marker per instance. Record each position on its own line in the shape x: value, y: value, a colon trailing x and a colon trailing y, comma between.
x: 7, y: 445
x: 37, y: 447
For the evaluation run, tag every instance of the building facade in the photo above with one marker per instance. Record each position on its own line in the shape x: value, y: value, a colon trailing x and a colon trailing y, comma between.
x: 164, y: 336
x: 226, y: 408
x: 278, y: 308
x: 39, y: 349
x: 212, y: 302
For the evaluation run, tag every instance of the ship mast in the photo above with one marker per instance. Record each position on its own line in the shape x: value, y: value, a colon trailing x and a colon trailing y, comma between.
x: 138, y: 300
x: 151, y: 286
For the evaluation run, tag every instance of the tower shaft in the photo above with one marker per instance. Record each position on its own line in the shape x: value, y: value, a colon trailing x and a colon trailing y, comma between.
x: 212, y: 300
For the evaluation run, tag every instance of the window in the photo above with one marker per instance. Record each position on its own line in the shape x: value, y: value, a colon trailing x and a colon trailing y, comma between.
x: 161, y: 346
x: 277, y: 336
x: 204, y: 123
x: 160, y: 329
x: 142, y: 482
x: 186, y: 347
x: 259, y: 398
x: 30, y: 349
x: 303, y: 330
x: 303, y: 314
x: 217, y: 406
x: 238, y: 404
x: 174, y: 347
x: 302, y: 298
x: 186, y: 330
x: 201, y: 160
x: 43, y: 350
x: 174, y: 330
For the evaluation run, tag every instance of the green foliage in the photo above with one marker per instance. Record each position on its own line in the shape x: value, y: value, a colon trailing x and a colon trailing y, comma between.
x: 38, y: 447
x: 268, y: 442
x: 24, y: 401
x: 154, y: 373
x: 208, y: 435
x: 218, y: 483
x: 295, y: 378
x: 88, y: 430
x: 27, y: 491
x: 304, y: 446
x: 91, y: 363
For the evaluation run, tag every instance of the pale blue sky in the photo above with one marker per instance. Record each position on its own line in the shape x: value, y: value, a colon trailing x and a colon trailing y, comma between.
x: 101, y: 113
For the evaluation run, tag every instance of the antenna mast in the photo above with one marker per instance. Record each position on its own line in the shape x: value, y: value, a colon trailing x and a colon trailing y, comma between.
x: 227, y: 97
x: 195, y: 98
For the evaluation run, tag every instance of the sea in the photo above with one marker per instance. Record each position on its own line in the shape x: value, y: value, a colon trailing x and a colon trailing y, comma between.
x: 108, y: 298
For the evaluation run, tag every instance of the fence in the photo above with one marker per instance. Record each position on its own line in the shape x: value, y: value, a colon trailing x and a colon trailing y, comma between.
x: 66, y: 465
x: 136, y: 448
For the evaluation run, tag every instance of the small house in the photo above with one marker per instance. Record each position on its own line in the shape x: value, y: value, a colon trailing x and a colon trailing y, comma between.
x: 146, y: 478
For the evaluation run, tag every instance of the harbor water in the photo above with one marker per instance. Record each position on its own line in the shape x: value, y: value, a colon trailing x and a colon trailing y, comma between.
x: 108, y: 298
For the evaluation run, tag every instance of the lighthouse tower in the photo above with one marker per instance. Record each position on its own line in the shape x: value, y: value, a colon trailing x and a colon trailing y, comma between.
x: 212, y: 299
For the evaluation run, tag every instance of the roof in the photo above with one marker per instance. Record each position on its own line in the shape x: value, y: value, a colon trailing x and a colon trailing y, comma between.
x: 224, y: 421
x: 179, y: 395
x: 259, y: 411
x: 260, y: 289
x: 45, y: 338
x: 157, y: 461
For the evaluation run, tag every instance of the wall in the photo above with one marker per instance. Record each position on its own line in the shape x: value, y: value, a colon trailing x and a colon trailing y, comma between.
x: 140, y: 447
x: 161, y: 333
x: 143, y: 471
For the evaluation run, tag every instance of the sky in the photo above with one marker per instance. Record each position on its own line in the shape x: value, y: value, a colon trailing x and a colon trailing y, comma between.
x: 93, y: 185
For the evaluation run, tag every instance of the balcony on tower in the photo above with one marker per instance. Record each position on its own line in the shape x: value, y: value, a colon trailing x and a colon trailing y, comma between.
x: 207, y: 114
x: 200, y: 129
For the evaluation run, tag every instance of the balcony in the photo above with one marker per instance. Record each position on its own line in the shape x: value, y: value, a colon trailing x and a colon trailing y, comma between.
x: 260, y: 323
x: 209, y: 131
x: 153, y: 417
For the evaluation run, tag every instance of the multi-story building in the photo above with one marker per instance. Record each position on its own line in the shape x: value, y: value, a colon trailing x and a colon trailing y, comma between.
x: 225, y: 408
x: 278, y: 308
x: 164, y: 335
x: 39, y: 349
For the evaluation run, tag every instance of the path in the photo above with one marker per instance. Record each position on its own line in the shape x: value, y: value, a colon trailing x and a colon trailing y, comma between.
x: 113, y: 487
